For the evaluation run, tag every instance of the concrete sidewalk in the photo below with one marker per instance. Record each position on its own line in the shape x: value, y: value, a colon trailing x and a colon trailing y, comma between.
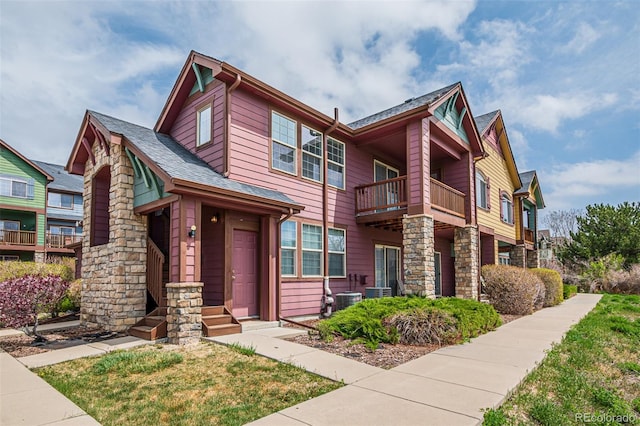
x: 450, y: 386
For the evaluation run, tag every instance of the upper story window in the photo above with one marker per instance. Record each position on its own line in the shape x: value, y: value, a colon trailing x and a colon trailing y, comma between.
x: 288, y: 246
x: 506, y: 208
x: 311, y: 154
x: 337, y: 252
x: 482, y: 190
x: 204, y: 126
x: 13, y: 186
x: 335, y: 160
x: 284, y: 143
x: 64, y: 201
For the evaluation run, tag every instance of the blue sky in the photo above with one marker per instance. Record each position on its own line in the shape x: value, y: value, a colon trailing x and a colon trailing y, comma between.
x: 566, y: 75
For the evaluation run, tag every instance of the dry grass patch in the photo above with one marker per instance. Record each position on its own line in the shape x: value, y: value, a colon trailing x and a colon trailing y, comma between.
x: 206, y: 384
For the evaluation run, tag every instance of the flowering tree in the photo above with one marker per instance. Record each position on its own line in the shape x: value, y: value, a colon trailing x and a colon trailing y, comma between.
x: 23, y: 298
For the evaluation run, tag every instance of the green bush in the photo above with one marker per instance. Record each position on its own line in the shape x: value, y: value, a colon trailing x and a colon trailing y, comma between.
x: 513, y: 290
x: 71, y: 299
x: 552, y: 284
x: 11, y: 270
x: 367, y: 321
x: 569, y: 291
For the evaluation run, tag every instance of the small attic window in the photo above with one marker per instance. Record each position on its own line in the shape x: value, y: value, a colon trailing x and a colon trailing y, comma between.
x: 204, y: 125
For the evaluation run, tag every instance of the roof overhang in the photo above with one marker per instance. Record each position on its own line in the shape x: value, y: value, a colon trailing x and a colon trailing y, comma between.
x: 9, y: 148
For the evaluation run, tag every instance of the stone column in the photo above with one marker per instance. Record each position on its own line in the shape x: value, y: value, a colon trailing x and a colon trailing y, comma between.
x: 184, y: 313
x: 466, y: 265
x: 518, y: 256
x: 418, y: 262
x: 533, y: 260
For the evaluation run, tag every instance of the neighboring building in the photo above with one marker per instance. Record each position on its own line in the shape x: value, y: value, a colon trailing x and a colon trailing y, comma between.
x: 22, y: 206
x: 259, y: 197
x: 507, y: 201
x: 64, y: 209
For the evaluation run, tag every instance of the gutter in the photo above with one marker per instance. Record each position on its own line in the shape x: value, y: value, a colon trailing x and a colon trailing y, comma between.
x: 227, y: 126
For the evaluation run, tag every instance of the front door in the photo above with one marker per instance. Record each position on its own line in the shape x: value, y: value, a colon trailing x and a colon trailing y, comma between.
x: 386, y: 194
x: 245, y: 273
x: 388, y: 267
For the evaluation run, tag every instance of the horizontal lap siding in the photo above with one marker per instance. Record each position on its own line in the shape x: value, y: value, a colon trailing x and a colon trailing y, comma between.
x: 184, y: 128
x: 212, y: 246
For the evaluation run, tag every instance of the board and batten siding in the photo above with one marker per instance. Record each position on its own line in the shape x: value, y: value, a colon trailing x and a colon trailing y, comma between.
x: 495, y: 168
x: 185, y: 126
x: 250, y: 163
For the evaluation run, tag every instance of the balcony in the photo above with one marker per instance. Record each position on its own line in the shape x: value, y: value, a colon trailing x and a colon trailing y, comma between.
x: 60, y: 241
x: 382, y: 204
x: 19, y: 238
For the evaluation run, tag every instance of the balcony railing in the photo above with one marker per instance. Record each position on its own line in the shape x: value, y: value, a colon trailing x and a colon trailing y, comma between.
x: 389, y: 195
x: 529, y: 236
x: 381, y: 196
x: 449, y: 199
x: 23, y: 238
x: 61, y: 240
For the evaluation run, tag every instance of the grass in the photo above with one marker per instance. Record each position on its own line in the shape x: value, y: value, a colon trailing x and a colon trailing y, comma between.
x: 592, y: 376
x: 207, y: 384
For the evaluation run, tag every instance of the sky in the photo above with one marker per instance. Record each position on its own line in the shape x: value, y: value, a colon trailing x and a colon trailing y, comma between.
x: 565, y: 74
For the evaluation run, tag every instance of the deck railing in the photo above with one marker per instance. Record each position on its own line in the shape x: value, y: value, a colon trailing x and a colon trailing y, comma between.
x: 528, y: 236
x: 23, y: 238
x: 155, y: 262
x: 381, y: 196
x: 446, y: 197
x: 61, y: 240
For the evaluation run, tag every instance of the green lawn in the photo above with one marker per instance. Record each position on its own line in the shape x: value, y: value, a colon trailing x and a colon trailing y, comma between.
x: 204, y: 385
x: 592, y: 377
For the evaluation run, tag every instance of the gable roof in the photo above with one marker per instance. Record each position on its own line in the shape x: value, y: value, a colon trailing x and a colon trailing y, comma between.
x: 530, y: 184
x: 178, y: 163
x: 37, y: 168
x: 407, y: 105
x: 62, y: 180
x: 483, y: 121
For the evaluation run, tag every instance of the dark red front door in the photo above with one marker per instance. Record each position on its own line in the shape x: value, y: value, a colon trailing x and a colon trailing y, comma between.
x: 245, y: 273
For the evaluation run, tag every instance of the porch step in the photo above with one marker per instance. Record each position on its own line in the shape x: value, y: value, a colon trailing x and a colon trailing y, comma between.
x: 151, y: 327
x: 218, y: 321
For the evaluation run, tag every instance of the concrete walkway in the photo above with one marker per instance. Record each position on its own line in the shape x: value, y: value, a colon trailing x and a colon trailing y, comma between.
x: 450, y: 386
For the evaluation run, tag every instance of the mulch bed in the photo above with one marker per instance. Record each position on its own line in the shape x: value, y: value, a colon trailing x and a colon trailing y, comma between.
x: 23, y: 345
x: 385, y: 356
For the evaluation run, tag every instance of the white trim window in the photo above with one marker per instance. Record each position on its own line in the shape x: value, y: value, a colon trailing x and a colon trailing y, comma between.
x: 16, y: 187
x: 482, y: 192
x: 311, y: 250
x: 335, y: 163
x: 288, y: 248
x: 284, y: 143
x: 204, y: 126
x: 504, y: 259
x: 59, y: 200
x: 311, y: 154
x: 506, y: 209
x: 337, y: 252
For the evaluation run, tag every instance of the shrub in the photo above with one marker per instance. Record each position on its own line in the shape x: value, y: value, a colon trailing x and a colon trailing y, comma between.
x: 9, y: 270
x: 424, y: 326
x: 623, y: 282
x: 71, y: 299
x: 367, y: 321
x: 23, y: 298
x: 512, y: 290
x: 552, y: 285
x: 569, y: 291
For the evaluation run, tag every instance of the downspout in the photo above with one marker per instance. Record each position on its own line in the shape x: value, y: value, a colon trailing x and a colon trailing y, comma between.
x: 278, y: 275
x: 327, y: 296
x: 227, y: 126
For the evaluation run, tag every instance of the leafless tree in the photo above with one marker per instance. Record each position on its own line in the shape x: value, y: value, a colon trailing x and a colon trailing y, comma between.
x: 561, y: 223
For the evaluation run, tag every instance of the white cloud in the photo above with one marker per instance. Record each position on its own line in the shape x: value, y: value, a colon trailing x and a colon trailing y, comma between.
x: 584, y: 37
x: 520, y: 147
x: 578, y: 184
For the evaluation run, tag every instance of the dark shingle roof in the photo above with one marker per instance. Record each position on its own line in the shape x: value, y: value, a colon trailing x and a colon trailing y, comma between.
x: 482, y: 121
x: 406, y: 106
x: 180, y: 163
x: 62, y: 180
x: 526, y: 178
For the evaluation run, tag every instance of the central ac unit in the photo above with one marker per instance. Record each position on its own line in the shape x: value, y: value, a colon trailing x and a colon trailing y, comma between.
x: 376, y: 292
